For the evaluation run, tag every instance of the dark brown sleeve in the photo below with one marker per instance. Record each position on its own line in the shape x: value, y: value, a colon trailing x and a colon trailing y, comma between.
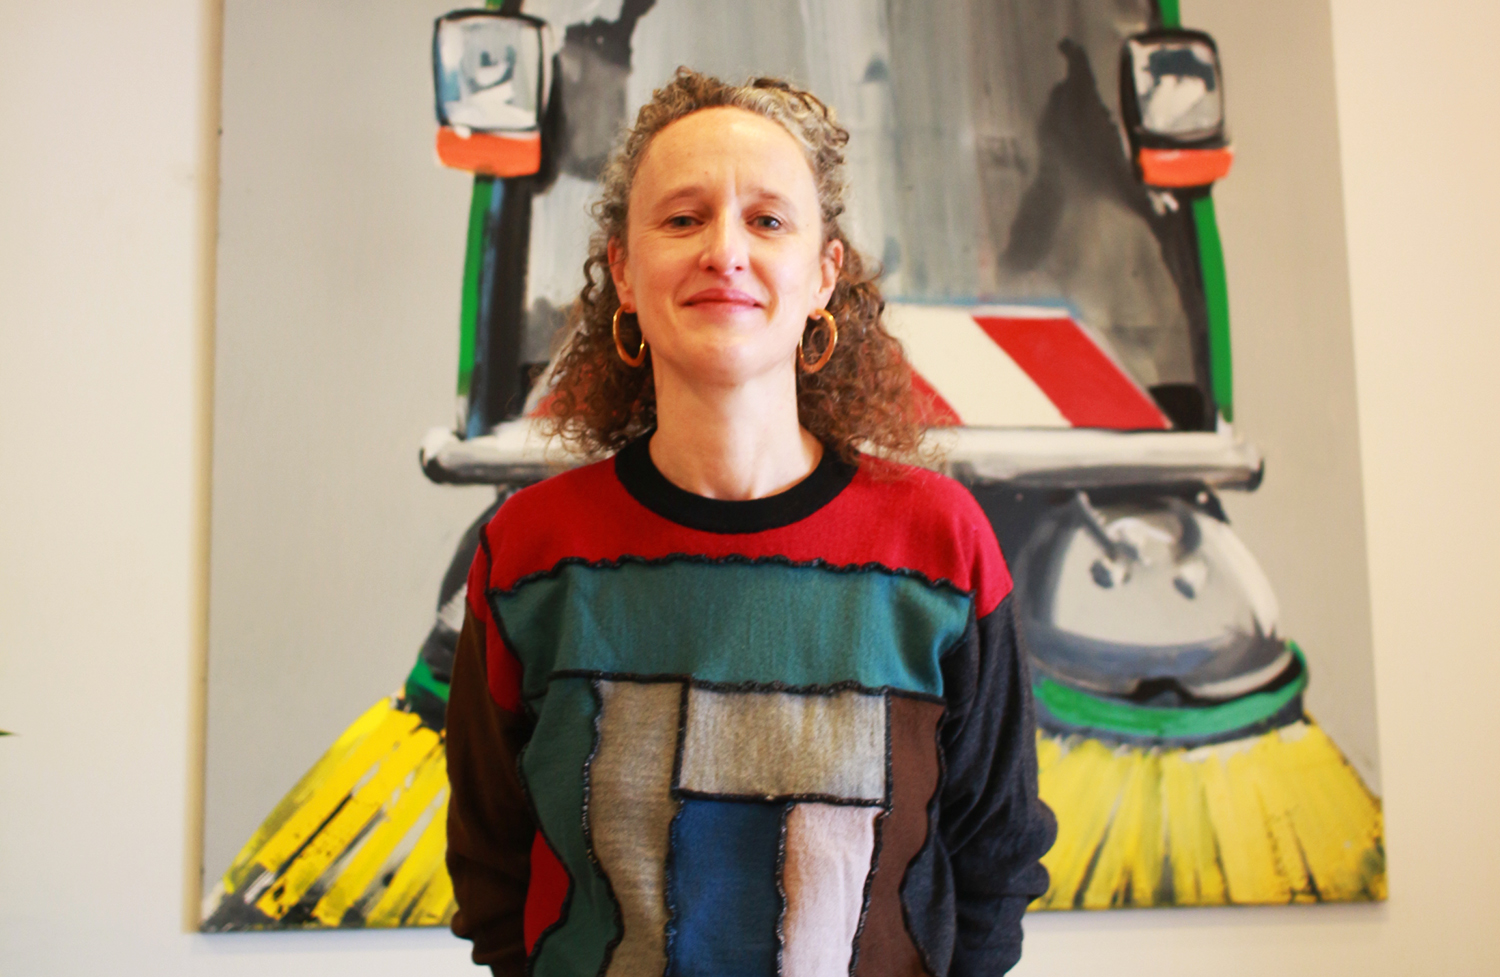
x: 490, y: 826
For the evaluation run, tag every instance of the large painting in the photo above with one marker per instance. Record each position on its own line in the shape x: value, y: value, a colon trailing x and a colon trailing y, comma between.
x: 1037, y: 179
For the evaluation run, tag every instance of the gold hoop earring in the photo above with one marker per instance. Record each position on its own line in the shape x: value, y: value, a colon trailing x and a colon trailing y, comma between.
x: 640, y: 354
x: 833, y: 340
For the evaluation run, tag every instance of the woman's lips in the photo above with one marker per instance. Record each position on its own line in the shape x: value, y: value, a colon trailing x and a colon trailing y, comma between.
x: 725, y: 298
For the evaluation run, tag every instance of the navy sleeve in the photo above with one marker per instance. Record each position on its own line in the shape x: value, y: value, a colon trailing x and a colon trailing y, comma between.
x: 991, y: 823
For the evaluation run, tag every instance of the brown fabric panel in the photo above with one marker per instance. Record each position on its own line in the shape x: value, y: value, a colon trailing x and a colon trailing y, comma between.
x: 885, y: 946
x: 490, y: 828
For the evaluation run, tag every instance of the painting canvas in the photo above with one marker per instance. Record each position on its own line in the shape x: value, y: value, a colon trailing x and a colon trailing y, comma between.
x: 1038, y: 180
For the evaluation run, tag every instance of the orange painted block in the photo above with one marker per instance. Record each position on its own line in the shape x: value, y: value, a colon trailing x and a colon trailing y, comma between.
x: 1184, y: 167
x: 490, y: 154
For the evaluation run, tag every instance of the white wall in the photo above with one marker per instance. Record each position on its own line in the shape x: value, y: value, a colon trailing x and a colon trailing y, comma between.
x: 105, y: 260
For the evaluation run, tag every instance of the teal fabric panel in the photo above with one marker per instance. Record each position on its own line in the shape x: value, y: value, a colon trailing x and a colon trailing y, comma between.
x: 733, y: 622
x: 554, y: 764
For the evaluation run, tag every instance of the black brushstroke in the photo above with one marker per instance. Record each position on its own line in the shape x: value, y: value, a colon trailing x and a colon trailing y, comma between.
x: 1178, y: 234
x: 1075, y: 134
x: 1079, y: 146
x: 498, y: 389
x: 1183, y: 403
x: 1182, y: 63
x: 552, y: 122
x: 594, y: 65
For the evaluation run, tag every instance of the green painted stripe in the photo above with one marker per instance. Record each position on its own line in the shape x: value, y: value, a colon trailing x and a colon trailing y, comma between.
x: 1170, y: 12
x: 555, y: 764
x: 479, y: 208
x: 468, y: 316
x: 1216, y: 295
x: 1077, y: 708
x: 421, y: 677
x: 734, y: 622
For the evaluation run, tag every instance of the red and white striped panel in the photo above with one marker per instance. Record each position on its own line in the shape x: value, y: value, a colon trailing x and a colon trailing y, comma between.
x: 1016, y: 366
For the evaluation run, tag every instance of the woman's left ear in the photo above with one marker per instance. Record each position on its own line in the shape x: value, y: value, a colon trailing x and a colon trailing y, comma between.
x: 832, y: 263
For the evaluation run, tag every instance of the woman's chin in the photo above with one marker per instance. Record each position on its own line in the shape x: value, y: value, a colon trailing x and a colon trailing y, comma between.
x: 727, y: 363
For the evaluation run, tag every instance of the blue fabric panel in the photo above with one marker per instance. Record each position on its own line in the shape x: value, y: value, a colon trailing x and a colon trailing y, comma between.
x: 722, y: 889
x: 734, y: 622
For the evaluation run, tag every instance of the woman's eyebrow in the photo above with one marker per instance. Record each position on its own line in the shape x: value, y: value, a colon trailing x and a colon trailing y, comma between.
x: 692, y: 193
x: 687, y: 193
x: 766, y: 195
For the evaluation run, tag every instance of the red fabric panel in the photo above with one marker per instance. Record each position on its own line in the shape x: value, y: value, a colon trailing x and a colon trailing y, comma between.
x: 897, y: 516
x: 502, y: 669
x: 546, y: 893
x: 1089, y: 389
x: 932, y: 409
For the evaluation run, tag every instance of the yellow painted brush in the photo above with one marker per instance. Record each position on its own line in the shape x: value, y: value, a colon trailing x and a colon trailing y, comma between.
x: 1246, y: 802
x: 358, y: 842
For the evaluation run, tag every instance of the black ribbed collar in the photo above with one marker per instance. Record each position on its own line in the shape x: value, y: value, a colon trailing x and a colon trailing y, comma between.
x: 648, y: 486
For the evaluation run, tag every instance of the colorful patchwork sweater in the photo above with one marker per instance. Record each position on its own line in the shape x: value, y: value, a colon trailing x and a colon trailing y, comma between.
x: 700, y: 738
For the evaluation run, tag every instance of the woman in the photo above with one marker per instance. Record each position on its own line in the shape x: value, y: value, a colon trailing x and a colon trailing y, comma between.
x: 739, y: 699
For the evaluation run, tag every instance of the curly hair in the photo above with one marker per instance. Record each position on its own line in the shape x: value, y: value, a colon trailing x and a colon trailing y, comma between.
x: 863, y: 396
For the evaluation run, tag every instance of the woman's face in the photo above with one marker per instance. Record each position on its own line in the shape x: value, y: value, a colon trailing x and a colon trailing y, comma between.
x: 724, y: 257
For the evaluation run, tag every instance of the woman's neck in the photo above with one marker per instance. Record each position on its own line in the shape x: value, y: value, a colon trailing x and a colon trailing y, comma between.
x: 732, y: 443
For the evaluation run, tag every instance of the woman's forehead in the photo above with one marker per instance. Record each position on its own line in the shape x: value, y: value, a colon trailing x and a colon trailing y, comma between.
x: 713, y: 144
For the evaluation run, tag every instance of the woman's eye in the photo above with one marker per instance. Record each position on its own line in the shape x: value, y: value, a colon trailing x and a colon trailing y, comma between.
x: 768, y: 221
x: 680, y: 220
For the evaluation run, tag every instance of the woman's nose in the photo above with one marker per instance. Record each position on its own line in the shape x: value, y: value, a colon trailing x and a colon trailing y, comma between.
x: 725, y: 246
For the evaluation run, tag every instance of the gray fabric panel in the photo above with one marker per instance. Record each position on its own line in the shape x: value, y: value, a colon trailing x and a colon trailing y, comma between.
x: 630, y: 814
x: 777, y: 744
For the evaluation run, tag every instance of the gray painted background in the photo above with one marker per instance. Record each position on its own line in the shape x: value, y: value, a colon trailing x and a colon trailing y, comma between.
x: 340, y: 259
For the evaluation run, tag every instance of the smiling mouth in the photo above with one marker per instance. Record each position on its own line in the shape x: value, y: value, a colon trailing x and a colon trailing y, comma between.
x: 723, y: 298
